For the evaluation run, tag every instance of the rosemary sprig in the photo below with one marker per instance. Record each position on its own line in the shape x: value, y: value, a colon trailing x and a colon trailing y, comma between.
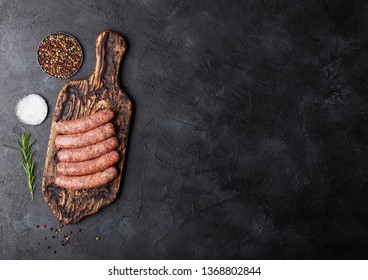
x: 27, y: 160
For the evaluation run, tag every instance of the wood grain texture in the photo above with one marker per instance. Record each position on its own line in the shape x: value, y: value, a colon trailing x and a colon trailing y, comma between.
x: 79, y: 99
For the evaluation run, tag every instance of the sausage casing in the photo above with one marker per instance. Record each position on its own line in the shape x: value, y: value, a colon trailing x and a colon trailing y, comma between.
x: 84, y: 124
x: 89, y: 152
x: 84, y: 139
x: 87, y: 181
x: 89, y: 166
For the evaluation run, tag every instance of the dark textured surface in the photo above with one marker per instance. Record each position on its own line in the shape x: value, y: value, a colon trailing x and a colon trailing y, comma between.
x: 249, y: 132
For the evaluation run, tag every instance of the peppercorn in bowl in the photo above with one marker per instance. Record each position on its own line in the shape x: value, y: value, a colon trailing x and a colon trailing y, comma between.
x: 59, y: 55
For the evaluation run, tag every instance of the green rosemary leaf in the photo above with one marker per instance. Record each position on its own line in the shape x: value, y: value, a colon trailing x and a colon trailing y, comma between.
x: 27, y: 160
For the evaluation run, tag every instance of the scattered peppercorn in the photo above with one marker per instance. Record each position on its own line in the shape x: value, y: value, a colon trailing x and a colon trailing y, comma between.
x: 65, y: 237
x: 54, y: 252
x: 59, y: 55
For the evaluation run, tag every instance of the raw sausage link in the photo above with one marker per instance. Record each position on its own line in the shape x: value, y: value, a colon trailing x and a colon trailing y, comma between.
x: 89, y: 152
x: 86, y: 138
x: 84, y: 124
x: 89, y: 166
x: 87, y: 181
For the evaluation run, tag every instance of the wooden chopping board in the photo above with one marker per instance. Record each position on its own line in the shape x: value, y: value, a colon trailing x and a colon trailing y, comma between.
x: 79, y: 99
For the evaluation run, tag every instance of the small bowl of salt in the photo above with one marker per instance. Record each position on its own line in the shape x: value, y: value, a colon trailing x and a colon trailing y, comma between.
x: 31, y: 109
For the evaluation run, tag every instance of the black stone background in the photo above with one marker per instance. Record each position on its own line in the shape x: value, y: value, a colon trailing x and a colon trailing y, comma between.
x: 249, y: 134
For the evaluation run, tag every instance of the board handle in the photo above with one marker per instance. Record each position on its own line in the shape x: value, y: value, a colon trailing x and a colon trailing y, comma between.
x: 110, y: 49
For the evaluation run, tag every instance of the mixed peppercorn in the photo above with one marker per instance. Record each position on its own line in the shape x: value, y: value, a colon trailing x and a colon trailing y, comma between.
x: 59, y: 55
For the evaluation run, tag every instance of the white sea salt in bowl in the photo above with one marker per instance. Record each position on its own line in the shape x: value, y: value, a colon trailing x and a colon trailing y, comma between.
x: 31, y: 109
